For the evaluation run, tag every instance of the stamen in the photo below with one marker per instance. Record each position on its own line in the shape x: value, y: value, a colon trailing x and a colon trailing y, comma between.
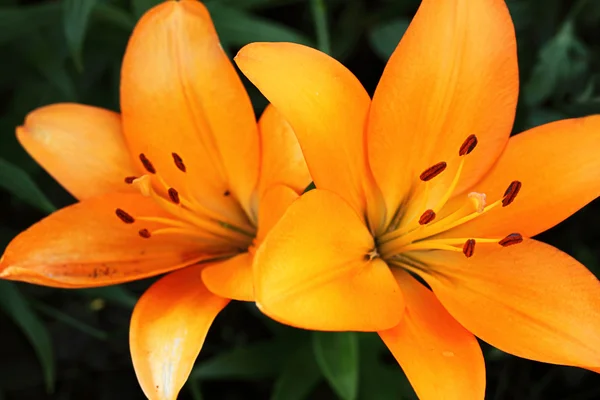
x: 147, y: 164
x: 513, y: 238
x: 178, y: 162
x: 129, y: 179
x: 173, y: 195
x: 433, y: 171
x: 145, y: 233
x: 469, y: 248
x: 511, y: 192
x: 478, y: 200
x: 427, y: 217
x: 468, y: 145
x: 125, y: 217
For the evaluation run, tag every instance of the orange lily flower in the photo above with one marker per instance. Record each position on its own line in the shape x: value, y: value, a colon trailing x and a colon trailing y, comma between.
x: 423, y: 181
x: 185, y: 175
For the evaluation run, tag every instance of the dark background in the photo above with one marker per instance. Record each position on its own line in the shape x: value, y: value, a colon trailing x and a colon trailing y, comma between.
x: 73, y: 344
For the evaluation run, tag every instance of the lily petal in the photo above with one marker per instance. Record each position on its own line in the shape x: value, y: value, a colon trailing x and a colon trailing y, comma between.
x: 441, y: 359
x: 274, y: 203
x: 313, y: 270
x: 168, y: 328
x: 232, y: 278
x: 87, y: 245
x: 180, y: 94
x: 282, y: 161
x: 453, y: 74
x: 325, y: 105
x: 559, y: 169
x: 82, y: 147
x: 530, y: 300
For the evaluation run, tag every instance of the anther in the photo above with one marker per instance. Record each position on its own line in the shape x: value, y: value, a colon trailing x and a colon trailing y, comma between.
x: 511, y: 192
x: 129, y: 179
x: 174, y: 195
x: 513, y: 238
x: 178, y: 162
x: 469, y: 248
x: 226, y: 193
x: 147, y: 164
x: 427, y: 217
x: 145, y: 233
x: 125, y: 217
x: 433, y: 171
x: 468, y: 145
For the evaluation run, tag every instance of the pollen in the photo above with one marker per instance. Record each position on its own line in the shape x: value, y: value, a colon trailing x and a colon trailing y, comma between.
x: 145, y: 233
x: 433, y: 171
x: 468, y: 145
x: 513, y: 238
x: 129, y: 179
x: 179, y: 162
x: 173, y: 195
x: 147, y: 164
x: 469, y: 248
x: 427, y: 217
x: 511, y: 192
x: 124, y: 216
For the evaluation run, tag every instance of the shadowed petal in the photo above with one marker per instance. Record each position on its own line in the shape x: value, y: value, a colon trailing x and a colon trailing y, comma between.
x: 86, y: 245
x: 168, y: 327
x: 453, y: 74
x: 441, y: 359
x: 82, y: 147
x: 232, y: 278
x: 530, y: 300
x: 313, y: 270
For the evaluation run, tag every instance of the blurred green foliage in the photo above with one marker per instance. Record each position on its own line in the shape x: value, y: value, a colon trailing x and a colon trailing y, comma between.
x: 60, y: 344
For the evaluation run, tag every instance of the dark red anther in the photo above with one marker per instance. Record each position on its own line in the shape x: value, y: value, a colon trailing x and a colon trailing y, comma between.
x: 513, y: 238
x: 173, y: 195
x: 129, y: 179
x: 147, y: 164
x: 433, y: 171
x: 145, y: 233
x: 468, y: 145
x: 511, y: 192
x: 125, y: 217
x: 427, y: 217
x: 469, y: 248
x: 178, y: 162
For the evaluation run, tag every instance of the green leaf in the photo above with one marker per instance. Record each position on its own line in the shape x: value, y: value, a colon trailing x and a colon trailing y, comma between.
x: 70, y: 321
x: 141, y: 6
x: 18, y: 183
x: 299, y: 377
x: 115, y: 294
x: 17, y: 308
x: 337, y: 356
x: 257, y: 361
x: 19, y: 21
x: 238, y: 28
x: 319, y: 12
x: 385, y: 37
x: 562, y: 59
x: 76, y: 15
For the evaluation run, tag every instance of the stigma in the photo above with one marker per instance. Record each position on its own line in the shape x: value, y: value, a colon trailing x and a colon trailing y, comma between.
x: 422, y: 231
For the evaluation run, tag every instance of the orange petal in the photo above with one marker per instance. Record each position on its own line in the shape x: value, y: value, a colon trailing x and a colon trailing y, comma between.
x: 325, y: 105
x: 232, y: 278
x: 180, y: 94
x: 453, y: 74
x: 530, y: 300
x: 441, y: 359
x: 313, y: 270
x: 82, y: 147
x: 559, y: 168
x: 282, y: 161
x: 273, y: 205
x: 168, y: 327
x: 86, y: 245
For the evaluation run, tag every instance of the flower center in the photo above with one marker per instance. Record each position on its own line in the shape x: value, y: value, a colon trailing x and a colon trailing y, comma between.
x: 188, y: 216
x: 420, y: 232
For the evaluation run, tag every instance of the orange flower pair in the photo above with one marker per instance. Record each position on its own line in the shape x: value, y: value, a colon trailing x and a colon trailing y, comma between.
x: 421, y: 181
